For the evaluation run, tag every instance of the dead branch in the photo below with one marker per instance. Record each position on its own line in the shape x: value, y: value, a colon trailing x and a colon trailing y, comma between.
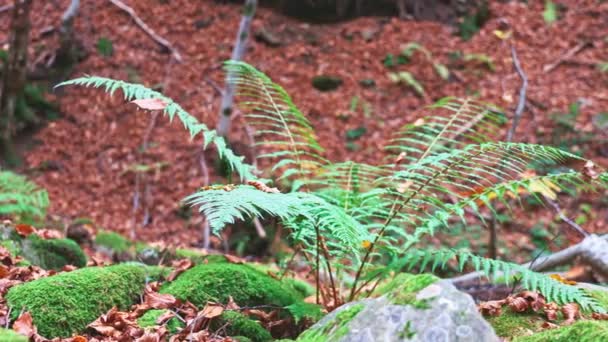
x: 566, y: 56
x: 158, y: 39
x: 6, y: 8
x: 240, y: 46
x: 522, y: 94
x: 593, y: 250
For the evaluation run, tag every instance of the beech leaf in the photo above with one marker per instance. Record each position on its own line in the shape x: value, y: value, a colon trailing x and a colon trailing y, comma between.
x: 151, y: 104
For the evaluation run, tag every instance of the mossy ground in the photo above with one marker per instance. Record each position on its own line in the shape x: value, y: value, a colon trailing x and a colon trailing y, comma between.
x: 334, y: 329
x: 510, y: 323
x: 581, y: 331
x: 7, y: 335
x: 67, y: 302
x: 237, y: 324
x: 217, y: 281
x: 151, y: 316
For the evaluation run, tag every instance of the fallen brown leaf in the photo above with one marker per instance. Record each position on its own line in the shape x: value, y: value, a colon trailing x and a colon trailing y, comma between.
x: 571, y: 312
x: 24, y: 325
x: 24, y: 229
x: 151, y: 104
x: 179, y: 266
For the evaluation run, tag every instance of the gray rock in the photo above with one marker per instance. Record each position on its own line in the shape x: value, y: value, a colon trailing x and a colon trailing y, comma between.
x: 436, y: 313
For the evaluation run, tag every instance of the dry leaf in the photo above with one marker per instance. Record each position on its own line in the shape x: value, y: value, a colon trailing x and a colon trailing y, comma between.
x: 49, y: 234
x: 159, y: 301
x: 400, y: 158
x: 491, y: 308
x: 24, y: 229
x: 151, y: 104
x: 551, y: 311
x: 590, y: 170
x: 24, y: 325
x: 179, y: 266
x: 263, y: 187
x: 518, y: 304
x: 211, y: 310
x: 233, y: 259
x: 79, y: 339
x: 549, y: 325
x: 571, y: 312
x: 600, y: 316
x: 4, y: 271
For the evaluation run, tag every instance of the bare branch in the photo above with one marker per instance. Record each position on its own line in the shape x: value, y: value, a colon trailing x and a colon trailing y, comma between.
x: 158, y: 39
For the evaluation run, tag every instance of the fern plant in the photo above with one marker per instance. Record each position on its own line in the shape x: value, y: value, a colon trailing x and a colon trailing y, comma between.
x: 21, y: 198
x: 347, y: 218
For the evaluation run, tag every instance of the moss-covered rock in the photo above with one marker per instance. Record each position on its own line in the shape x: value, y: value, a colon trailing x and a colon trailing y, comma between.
x: 149, y: 319
x: 333, y: 330
x: 66, y: 303
x: 402, y: 289
x: 52, y: 253
x: 581, y: 331
x: 112, y: 241
x: 7, y: 335
x: 237, y: 324
x: 217, y: 281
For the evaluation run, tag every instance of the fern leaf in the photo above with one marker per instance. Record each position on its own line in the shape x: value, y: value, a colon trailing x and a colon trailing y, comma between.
x: 19, y: 196
x: 133, y: 91
x: 553, y: 290
x: 281, y: 129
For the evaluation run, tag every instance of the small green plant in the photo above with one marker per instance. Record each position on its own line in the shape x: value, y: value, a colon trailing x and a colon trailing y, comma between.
x: 358, y: 222
x: 105, y: 47
x: 404, y: 77
x: 21, y: 198
x: 550, y: 14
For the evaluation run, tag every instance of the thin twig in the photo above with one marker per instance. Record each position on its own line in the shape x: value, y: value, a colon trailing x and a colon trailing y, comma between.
x: 158, y: 39
x: 521, y: 104
x: 566, y: 219
x: 567, y: 55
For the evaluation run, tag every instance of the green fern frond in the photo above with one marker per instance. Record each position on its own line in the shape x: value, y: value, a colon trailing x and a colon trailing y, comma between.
x: 133, y: 91
x: 303, y: 212
x: 280, y: 128
x: 21, y: 197
x: 453, y: 124
x: 497, y: 270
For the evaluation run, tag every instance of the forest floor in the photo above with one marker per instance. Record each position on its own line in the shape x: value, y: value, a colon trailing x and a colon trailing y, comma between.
x: 98, y: 139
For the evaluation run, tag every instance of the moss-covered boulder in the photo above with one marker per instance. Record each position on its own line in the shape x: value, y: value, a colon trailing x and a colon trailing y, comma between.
x: 217, y: 281
x: 237, y: 324
x: 581, y: 331
x: 46, y: 253
x: 66, y: 303
x: 52, y: 254
x: 7, y: 335
x: 150, y: 318
x: 410, y: 307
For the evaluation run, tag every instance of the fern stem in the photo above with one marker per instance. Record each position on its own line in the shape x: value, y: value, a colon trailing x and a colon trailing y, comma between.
x: 394, y: 213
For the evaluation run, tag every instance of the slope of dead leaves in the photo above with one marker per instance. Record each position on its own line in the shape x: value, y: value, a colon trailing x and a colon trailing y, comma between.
x: 97, y: 140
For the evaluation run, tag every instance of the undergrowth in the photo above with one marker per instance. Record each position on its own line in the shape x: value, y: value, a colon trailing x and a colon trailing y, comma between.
x: 359, y: 223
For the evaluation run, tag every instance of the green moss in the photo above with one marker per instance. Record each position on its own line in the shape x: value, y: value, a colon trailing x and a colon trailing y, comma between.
x: 511, y: 323
x: 237, y: 324
x: 52, y: 253
x: 198, y: 257
x: 334, y: 329
x: 581, y: 331
x: 112, y: 241
x: 217, y: 281
x: 402, y: 290
x: 11, y: 246
x: 302, y: 287
x: 7, y: 335
x: 151, y: 316
x: 67, y: 302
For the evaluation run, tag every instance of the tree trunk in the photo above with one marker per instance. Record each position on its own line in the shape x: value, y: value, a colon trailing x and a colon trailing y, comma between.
x: 14, y: 76
x: 240, y: 46
x: 67, y: 53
